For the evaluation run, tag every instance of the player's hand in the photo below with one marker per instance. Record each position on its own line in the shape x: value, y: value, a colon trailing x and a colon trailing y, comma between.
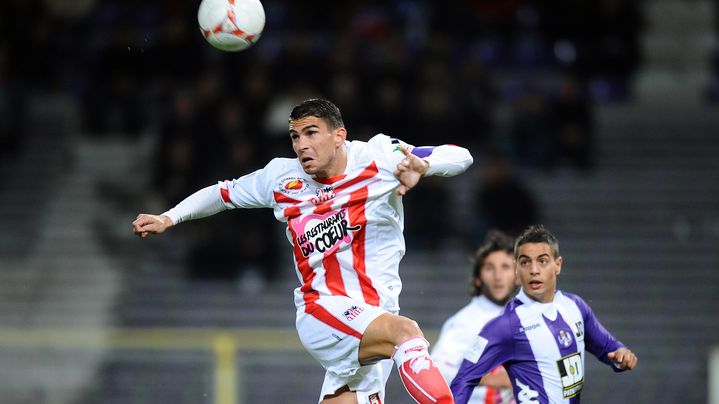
x: 624, y: 358
x: 409, y: 171
x: 150, y: 224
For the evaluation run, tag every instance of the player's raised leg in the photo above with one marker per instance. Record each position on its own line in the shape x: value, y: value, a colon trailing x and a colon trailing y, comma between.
x: 401, y: 339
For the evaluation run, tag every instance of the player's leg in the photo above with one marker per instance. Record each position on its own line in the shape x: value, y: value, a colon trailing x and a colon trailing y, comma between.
x: 341, y: 396
x: 401, y: 339
x: 366, y: 386
x: 331, y: 329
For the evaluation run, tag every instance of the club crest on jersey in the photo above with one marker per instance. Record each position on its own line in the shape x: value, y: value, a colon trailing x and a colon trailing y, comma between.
x: 565, y: 338
x: 323, y: 194
x: 292, y: 185
x: 322, y: 233
x: 352, y: 313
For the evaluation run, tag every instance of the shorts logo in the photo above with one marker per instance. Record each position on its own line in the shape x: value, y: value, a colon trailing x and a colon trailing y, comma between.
x: 565, y: 338
x: 374, y: 399
x: 292, y: 186
x: 352, y: 313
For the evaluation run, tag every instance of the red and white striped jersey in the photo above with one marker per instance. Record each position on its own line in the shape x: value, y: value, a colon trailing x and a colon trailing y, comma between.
x: 345, y: 231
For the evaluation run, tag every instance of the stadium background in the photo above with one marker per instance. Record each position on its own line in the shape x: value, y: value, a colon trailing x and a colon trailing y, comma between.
x: 596, y: 118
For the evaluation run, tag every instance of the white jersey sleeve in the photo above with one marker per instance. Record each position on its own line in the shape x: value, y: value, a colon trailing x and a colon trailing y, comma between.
x: 253, y: 190
x: 444, y: 160
x: 203, y: 203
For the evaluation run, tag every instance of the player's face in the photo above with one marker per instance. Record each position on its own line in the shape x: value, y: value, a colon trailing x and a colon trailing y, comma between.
x: 319, y: 148
x: 497, y: 277
x: 537, y: 269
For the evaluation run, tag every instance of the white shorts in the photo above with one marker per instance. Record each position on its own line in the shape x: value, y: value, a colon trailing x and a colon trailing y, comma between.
x: 331, y: 330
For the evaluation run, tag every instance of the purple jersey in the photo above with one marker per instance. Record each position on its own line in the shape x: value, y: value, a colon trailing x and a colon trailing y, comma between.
x: 542, y: 347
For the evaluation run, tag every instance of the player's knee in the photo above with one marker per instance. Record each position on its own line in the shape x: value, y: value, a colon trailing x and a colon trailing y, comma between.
x: 405, y: 328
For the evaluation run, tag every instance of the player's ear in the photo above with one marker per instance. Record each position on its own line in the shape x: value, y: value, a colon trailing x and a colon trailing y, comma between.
x: 340, y: 136
x: 558, y: 260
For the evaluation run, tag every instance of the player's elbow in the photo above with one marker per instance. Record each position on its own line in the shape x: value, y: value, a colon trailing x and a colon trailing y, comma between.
x: 465, y: 158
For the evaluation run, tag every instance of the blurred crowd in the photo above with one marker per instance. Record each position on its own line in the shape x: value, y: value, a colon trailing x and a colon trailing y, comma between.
x: 428, y: 72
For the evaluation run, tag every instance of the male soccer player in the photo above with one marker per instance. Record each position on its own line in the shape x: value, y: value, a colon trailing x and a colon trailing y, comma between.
x: 342, y: 202
x: 494, y: 283
x: 541, y: 335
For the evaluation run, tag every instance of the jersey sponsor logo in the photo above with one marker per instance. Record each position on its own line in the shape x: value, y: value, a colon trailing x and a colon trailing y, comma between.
x: 564, y: 338
x: 292, y: 185
x: 323, y: 233
x: 352, y: 313
x: 526, y: 395
x: 580, y: 329
x: 374, y: 399
x: 571, y: 374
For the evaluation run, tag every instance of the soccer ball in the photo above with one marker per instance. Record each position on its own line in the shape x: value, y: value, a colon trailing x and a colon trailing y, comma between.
x: 231, y: 25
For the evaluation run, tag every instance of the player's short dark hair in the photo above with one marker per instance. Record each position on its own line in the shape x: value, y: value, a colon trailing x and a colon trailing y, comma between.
x: 537, y: 234
x: 494, y: 241
x: 321, y: 108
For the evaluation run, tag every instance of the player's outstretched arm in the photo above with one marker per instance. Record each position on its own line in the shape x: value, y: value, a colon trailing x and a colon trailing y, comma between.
x: 624, y: 358
x: 150, y: 224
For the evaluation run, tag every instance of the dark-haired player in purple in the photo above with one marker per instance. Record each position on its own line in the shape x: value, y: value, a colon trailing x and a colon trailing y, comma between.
x: 541, y: 336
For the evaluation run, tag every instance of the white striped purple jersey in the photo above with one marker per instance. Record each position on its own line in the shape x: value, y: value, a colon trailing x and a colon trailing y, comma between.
x: 542, y: 347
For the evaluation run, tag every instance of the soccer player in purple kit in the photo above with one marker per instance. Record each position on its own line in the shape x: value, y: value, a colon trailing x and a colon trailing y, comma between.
x: 541, y: 336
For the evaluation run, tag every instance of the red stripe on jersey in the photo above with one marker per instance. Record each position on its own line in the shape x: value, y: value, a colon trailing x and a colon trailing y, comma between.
x: 282, y: 198
x: 292, y: 211
x: 368, y: 173
x: 333, y: 275
x: 357, y: 216
x: 320, y: 313
x: 322, y: 209
x: 330, y: 180
x: 308, y: 275
x: 225, y: 193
